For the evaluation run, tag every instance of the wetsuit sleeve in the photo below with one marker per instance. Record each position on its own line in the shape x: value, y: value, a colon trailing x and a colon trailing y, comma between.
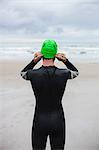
x: 72, y: 70
x: 26, y: 72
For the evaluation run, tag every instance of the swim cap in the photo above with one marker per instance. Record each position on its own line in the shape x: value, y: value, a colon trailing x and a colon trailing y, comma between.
x: 49, y: 49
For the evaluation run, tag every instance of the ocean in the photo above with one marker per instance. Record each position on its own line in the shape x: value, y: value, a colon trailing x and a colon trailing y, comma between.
x: 76, y: 51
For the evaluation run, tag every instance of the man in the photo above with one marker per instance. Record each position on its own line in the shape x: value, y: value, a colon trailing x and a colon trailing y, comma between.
x: 48, y: 83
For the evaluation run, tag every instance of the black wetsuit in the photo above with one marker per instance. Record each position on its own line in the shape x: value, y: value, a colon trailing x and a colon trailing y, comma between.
x: 48, y: 83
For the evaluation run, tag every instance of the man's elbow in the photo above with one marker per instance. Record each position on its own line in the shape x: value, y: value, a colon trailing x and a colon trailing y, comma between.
x: 74, y: 74
x: 23, y: 75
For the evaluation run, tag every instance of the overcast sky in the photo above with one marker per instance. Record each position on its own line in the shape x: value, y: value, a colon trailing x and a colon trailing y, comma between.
x: 59, y: 19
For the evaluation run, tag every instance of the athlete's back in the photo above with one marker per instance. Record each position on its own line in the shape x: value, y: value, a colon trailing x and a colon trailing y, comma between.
x: 48, y: 83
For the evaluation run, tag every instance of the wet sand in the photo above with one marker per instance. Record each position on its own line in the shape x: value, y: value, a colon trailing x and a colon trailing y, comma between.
x: 80, y: 102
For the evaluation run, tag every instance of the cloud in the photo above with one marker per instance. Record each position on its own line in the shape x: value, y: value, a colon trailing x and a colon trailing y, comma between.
x: 47, y: 18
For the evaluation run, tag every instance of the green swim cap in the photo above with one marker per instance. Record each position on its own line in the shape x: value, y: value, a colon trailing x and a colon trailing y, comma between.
x: 49, y: 49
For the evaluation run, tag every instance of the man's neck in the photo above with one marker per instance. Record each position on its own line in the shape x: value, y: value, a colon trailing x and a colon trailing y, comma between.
x: 47, y: 62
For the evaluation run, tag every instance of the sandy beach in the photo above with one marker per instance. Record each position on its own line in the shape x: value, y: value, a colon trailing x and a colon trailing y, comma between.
x: 80, y: 102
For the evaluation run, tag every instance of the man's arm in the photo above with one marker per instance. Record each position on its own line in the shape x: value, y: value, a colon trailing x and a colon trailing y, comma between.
x: 26, y: 72
x: 73, y: 71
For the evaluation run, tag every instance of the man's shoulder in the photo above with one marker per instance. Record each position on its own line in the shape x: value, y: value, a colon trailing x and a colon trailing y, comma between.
x: 62, y: 70
x: 36, y: 70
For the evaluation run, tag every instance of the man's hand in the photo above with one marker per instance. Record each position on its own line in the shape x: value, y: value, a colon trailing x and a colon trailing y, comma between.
x: 37, y: 57
x: 61, y: 57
